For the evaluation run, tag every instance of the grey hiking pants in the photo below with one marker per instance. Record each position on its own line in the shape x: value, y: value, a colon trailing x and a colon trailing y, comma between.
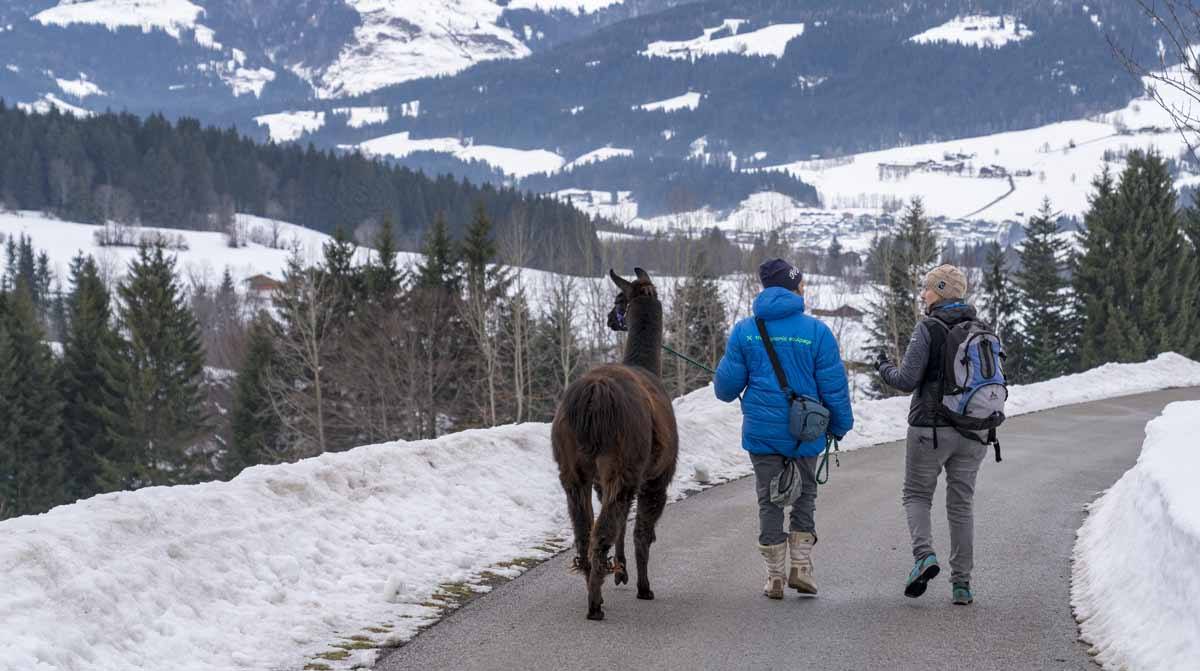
x: 770, y: 516
x: 960, y: 457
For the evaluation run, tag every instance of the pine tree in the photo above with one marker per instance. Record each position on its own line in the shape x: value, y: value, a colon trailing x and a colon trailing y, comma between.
x: 999, y: 294
x: 383, y: 278
x: 486, y: 283
x: 441, y: 266
x: 834, y: 261
x: 1137, y: 277
x: 94, y: 379
x: 255, y: 425
x: 902, y: 261
x: 434, y: 304
x: 999, y: 304
x: 697, y: 327
x: 165, y: 397
x: 1043, y: 299
x: 31, y: 453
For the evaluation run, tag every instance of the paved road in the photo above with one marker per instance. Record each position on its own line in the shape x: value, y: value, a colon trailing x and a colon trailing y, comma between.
x: 709, y: 613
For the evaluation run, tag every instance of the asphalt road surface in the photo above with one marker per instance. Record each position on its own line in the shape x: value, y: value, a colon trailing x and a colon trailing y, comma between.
x: 707, y: 574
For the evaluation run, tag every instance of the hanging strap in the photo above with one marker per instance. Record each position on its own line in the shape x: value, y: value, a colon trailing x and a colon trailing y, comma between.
x: 823, y: 464
x: 779, y: 375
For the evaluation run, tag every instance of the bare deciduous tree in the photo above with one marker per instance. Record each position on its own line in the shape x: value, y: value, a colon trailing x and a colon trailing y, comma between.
x: 1173, y: 77
x: 306, y: 306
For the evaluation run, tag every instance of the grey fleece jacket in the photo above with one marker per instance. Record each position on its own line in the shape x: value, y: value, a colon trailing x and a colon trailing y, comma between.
x: 920, y: 371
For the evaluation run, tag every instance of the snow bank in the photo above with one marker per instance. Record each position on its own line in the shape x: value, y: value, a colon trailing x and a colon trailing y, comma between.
x: 271, y: 568
x: 1136, y: 579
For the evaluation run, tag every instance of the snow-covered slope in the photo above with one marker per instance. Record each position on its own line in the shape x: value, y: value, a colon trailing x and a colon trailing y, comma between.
x: 207, y: 254
x: 1136, y: 578
x: 998, y: 177
x: 169, y: 16
x: 399, y: 41
x: 279, y: 564
x: 977, y: 31
x: 515, y: 162
x: 768, y: 41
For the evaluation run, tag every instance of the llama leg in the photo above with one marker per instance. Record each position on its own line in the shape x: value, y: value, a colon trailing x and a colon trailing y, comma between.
x: 620, y: 567
x: 614, y: 509
x: 651, y: 500
x: 579, y: 506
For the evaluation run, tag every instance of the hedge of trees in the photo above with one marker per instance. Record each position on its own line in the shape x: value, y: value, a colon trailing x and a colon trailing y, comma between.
x: 116, y: 167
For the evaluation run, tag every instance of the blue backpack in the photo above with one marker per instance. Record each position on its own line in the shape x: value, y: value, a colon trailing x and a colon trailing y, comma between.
x: 973, y: 387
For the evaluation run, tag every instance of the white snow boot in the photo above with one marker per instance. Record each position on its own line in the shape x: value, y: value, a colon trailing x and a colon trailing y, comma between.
x: 800, y: 573
x: 776, y: 558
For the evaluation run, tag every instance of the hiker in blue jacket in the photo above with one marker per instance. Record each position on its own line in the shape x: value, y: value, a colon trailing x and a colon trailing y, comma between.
x: 813, y: 367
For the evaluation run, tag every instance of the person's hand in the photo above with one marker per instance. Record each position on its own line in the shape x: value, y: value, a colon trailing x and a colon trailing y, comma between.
x: 838, y: 439
x: 880, y: 359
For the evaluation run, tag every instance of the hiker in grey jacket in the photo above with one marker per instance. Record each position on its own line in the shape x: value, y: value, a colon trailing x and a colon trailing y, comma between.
x: 934, y: 445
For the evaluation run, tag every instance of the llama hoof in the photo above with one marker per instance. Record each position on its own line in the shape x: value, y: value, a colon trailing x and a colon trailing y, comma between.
x: 646, y: 594
x: 596, y: 614
x: 620, y: 575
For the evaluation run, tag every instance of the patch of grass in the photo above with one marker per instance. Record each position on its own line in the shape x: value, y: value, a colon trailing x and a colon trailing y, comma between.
x: 521, y: 562
x: 356, y: 645
x: 381, y: 630
x: 334, y: 655
x: 317, y: 666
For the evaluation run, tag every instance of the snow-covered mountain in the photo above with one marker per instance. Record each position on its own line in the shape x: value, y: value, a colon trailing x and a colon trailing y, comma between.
x: 598, y: 95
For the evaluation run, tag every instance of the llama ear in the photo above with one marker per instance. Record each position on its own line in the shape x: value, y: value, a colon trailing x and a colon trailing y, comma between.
x: 641, y: 275
x: 621, y: 282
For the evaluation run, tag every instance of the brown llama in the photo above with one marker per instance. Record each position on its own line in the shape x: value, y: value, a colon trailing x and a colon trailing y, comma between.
x: 615, y: 431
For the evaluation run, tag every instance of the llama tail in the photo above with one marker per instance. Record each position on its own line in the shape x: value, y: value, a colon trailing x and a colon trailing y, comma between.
x: 595, y: 410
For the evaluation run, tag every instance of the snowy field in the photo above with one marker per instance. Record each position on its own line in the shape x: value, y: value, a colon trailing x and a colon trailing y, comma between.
x: 515, y: 162
x: 170, y: 16
x: 207, y: 254
x: 1136, y: 578
x: 970, y: 178
x: 977, y: 31
x: 272, y: 568
x: 770, y: 41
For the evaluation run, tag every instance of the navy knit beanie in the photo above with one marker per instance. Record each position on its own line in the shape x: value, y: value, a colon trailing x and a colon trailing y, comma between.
x: 780, y: 273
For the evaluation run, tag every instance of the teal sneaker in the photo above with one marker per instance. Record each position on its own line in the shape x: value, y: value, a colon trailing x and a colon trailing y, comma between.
x: 920, y: 575
x: 963, y: 596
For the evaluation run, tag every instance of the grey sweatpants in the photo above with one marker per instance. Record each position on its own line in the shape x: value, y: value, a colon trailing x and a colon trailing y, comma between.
x: 770, y: 516
x: 960, y: 457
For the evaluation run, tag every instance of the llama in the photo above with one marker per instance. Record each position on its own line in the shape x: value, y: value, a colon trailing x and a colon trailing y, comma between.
x: 615, y: 431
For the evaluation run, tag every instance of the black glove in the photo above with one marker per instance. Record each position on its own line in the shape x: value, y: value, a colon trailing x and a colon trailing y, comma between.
x: 840, y: 438
x: 880, y: 359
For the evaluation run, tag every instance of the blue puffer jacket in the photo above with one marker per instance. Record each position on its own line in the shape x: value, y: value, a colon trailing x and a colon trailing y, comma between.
x: 810, y: 358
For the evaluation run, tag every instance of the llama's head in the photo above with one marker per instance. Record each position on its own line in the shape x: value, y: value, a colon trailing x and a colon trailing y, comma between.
x: 640, y: 290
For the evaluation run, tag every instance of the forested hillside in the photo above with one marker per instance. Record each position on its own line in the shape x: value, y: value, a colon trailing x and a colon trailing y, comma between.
x: 184, y: 175
x: 852, y: 81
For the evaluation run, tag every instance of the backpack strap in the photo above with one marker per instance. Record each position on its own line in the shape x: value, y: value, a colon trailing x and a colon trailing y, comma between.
x: 779, y: 374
